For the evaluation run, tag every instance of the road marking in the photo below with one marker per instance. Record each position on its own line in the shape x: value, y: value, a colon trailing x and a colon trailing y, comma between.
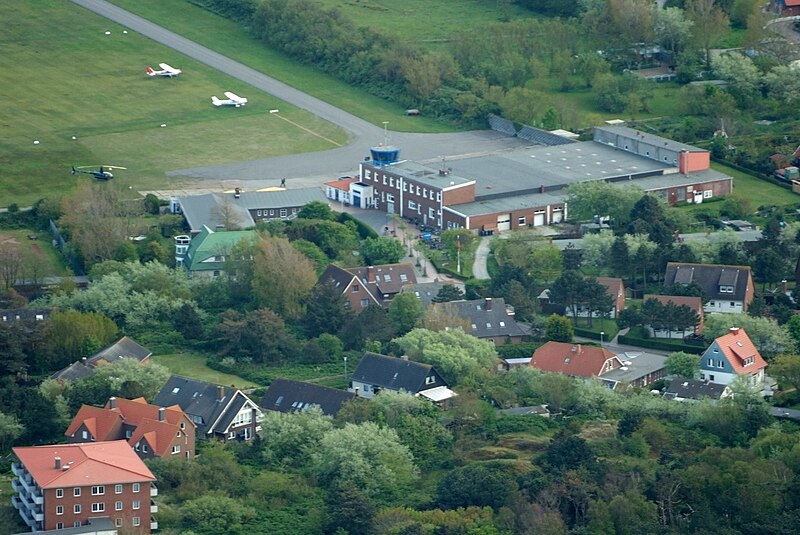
x: 301, y: 127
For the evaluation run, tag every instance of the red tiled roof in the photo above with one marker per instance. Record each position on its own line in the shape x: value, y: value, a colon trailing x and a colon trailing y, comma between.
x: 343, y: 185
x: 614, y: 285
x: 737, y: 346
x: 134, y: 411
x: 102, y: 424
x: 159, y: 435
x: 792, y: 3
x: 90, y: 463
x: 574, y: 359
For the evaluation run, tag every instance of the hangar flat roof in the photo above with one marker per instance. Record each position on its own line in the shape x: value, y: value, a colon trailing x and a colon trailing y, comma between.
x: 509, y: 204
x: 561, y: 165
x: 428, y: 173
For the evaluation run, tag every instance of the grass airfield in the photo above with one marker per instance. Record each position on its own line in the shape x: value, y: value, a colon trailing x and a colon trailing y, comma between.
x: 62, y: 76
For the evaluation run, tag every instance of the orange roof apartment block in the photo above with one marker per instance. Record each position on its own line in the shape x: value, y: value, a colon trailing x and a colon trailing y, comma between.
x: 64, y: 485
x: 151, y: 431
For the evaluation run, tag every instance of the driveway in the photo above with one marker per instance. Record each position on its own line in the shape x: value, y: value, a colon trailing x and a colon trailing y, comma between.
x: 321, y: 166
x: 479, y: 268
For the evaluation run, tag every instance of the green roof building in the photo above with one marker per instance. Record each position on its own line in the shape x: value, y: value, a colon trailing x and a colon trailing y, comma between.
x: 208, y: 250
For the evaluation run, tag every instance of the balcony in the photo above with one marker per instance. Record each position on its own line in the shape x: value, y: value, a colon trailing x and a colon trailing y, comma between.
x: 153, y: 490
x: 31, y: 518
x: 153, y: 507
x: 153, y: 523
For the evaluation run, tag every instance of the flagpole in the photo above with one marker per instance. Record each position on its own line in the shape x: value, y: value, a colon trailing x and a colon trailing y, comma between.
x: 458, y: 262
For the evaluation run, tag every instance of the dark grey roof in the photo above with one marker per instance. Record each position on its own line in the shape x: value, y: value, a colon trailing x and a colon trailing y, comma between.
x: 425, y: 291
x: 200, y: 400
x: 636, y: 365
x: 337, y: 276
x: 392, y: 373
x: 73, y: 372
x: 101, y: 524
x: 285, y: 395
x: 693, y: 389
x: 542, y: 137
x: 233, y: 408
x: 122, y: 348
x: 650, y: 139
x: 500, y: 124
x: 488, y: 317
x: 24, y: 314
x: 710, y: 277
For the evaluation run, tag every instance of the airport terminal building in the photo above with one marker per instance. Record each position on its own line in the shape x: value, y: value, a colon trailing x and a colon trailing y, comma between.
x: 527, y: 187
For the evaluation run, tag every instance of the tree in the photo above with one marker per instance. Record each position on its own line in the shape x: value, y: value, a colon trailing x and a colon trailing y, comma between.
x: 793, y: 327
x: 349, y: 509
x: 126, y: 378
x: 441, y: 317
x: 709, y: 22
x: 451, y: 239
x: 448, y: 292
x: 455, y: 354
x: 672, y: 29
x: 335, y: 239
x: 597, y: 298
x: 229, y: 215
x: 188, y: 322
x: 405, y: 311
x: 597, y: 248
x: 10, y: 265
x: 291, y: 438
x: 216, y: 513
x: 559, y: 329
x: 367, y: 456
x: 545, y: 263
x: 741, y: 74
x: 786, y: 369
x: 10, y: 430
x: 682, y: 364
x: 783, y: 84
x: 372, y: 324
x: 596, y: 197
x: 769, y: 266
x: 282, y: 277
x: 316, y: 210
x: 70, y: 335
x: 568, y: 291
x: 477, y: 485
x: 318, y: 258
x: 376, y: 251
x: 326, y: 310
x: 769, y: 338
x: 260, y: 335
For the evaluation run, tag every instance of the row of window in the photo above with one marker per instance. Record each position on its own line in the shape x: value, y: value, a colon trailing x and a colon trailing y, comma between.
x: 99, y: 490
x: 137, y: 521
x: 283, y: 212
x: 98, y: 507
x: 726, y: 289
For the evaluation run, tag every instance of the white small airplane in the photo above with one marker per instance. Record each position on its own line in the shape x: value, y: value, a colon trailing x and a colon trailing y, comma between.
x: 232, y: 100
x: 166, y: 70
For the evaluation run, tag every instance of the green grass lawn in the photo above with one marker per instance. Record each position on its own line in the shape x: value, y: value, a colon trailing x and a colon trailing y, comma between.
x: 194, y: 366
x: 40, y: 250
x: 92, y: 86
x: 229, y: 38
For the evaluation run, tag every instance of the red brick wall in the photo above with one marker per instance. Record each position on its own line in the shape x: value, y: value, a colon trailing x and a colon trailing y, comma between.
x: 459, y: 195
x: 51, y: 519
x: 688, y: 162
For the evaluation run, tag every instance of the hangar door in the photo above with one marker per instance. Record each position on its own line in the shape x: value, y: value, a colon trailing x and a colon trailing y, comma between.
x: 503, y: 222
x: 538, y: 219
x: 558, y: 215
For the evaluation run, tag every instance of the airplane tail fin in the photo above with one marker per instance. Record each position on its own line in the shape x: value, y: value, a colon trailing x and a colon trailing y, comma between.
x: 74, y: 171
x: 150, y: 71
x: 215, y: 101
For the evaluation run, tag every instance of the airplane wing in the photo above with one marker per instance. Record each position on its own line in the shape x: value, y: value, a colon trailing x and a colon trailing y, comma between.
x: 234, y: 97
x: 166, y: 67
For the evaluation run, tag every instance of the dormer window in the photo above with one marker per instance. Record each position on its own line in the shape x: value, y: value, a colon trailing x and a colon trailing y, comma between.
x: 430, y: 380
x: 749, y: 361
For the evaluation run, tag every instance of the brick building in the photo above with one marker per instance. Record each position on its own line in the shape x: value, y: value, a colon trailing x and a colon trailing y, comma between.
x: 527, y: 187
x: 65, y: 485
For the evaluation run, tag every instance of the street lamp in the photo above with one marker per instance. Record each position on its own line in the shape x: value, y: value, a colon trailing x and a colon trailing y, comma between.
x: 345, y: 369
x: 602, y: 333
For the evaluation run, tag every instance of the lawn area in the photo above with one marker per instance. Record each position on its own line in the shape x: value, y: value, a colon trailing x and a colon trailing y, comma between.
x: 230, y: 39
x: 39, y: 258
x: 194, y: 366
x: 90, y: 103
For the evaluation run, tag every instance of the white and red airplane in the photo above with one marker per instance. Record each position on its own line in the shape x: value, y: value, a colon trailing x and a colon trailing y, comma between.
x: 166, y: 70
x: 232, y: 100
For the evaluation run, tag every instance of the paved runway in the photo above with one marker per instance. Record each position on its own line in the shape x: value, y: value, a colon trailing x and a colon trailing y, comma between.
x: 320, y: 166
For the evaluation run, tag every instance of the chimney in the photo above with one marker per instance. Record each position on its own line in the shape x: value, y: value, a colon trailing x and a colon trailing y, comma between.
x: 161, y: 414
x: 58, y: 463
x: 220, y: 392
x: 541, y: 188
x: 112, y: 402
x: 735, y: 330
x: 784, y: 288
x: 488, y: 303
x: 370, y: 274
x: 84, y: 361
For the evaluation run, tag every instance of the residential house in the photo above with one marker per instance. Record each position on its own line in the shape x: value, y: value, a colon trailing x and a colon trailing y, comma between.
x: 218, y: 411
x: 151, y: 431
x: 729, y: 288
x: 614, y: 287
x: 733, y: 356
x: 425, y: 291
x: 65, y: 485
x: 490, y: 319
x: 364, y: 286
x: 694, y: 303
x: 575, y: 359
x: 694, y: 390
x: 285, y: 395
x: 206, y: 254
x: 243, y: 209
x: 377, y: 372
x: 13, y: 315
x: 124, y: 348
x: 638, y: 370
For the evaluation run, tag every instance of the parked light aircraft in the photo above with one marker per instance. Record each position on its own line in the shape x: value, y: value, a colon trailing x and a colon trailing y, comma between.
x: 166, y: 70
x: 102, y: 174
x: 232, y: 100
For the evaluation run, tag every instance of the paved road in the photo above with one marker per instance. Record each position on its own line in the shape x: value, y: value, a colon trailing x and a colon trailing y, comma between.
x: 479, y: 267
x: 323, y: 165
